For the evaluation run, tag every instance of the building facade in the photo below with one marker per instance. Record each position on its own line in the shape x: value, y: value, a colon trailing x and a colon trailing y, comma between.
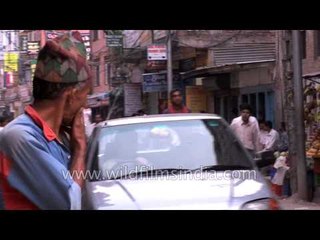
x: 216, y: 70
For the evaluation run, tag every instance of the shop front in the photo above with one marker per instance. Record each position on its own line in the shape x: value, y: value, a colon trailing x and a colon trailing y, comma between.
x: 227, y: 86
x: 312, y: 125
x: 99, y: 105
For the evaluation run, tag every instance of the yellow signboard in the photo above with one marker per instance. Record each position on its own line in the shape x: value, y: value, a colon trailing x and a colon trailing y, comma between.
x: 196, y: 98
x: 11, y: 62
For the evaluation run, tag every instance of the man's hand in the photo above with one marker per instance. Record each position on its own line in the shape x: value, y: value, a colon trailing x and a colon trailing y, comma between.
x: 78, y: 144
x: 78, y: 136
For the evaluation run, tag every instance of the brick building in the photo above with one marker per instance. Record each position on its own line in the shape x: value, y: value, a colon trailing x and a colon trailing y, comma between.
x: 98, y: 101
x: 310, y: 51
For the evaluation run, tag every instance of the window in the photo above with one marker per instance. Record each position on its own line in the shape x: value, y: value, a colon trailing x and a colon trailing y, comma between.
x: 234, y: 107
x: 245, y: 99
x: 107, y: 71
x: 303, y: 44
x: 97, y: 76
x: 261, y: 106
x: 217, y: 105
x: 37, y: 35
x: 253, y: 103
x: 257, y: 103
x: 95, y: 36
x: 225, y: 108
x: 9, y: 37
x: 316, y: 35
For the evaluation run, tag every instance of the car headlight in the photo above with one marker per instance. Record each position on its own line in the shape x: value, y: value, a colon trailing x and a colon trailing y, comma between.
x: 263, y: 204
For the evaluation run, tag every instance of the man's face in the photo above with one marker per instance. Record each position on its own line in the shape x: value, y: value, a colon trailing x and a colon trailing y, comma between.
x: 176, y: 98
x: 245, y: 114
x: 78, y: 100
x: 98, y: 119
x: 262, y: 127
x: 266, y: 128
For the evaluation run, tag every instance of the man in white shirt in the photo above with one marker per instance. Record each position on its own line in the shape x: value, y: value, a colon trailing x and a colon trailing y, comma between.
x: 246, y: 128
x: 252, y: 119
x: 269, y: 137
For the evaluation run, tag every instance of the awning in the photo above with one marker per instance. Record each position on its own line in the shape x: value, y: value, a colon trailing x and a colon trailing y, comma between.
x: 100, y: 96
x: 226, y: 68
x: 311, y: 75
x: 98, y: 100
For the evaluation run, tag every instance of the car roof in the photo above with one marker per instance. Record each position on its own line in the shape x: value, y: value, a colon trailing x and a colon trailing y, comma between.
x: 157, y: 118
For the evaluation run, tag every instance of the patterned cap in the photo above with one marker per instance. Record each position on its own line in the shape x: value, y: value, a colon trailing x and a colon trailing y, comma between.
x: 63, y: 60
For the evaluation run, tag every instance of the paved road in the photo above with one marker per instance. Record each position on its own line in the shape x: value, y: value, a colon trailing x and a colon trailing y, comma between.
x: 288, y: 204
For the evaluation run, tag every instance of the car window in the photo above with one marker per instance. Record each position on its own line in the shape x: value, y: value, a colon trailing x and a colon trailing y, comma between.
x: 158, y: 138
x: 186, y: 144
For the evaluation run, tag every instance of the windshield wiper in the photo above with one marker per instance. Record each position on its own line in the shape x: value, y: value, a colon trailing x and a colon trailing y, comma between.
x: 222, y: 168
x: 153, y: 172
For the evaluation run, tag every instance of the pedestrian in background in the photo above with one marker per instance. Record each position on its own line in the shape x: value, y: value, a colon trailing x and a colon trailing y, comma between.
x: 177, y: 105
x: 269, y: 138
x: 278, y: 179
x: 246, y: 129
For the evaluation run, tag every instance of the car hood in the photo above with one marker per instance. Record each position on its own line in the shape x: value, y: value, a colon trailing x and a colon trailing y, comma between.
x: 174, y: 193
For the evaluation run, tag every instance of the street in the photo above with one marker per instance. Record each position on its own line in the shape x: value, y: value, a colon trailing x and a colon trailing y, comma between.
x: 102, y: 113
x: 288, y: 204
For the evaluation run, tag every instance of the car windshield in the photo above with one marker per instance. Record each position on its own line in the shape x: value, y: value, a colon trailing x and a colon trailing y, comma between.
x: 184, y: 144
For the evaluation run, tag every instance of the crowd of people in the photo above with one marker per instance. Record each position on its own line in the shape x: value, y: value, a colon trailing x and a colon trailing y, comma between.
x: 260, y: 137
x: 256, y: 135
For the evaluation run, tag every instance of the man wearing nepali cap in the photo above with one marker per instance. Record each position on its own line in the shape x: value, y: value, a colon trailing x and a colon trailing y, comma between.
x: 38, y: 170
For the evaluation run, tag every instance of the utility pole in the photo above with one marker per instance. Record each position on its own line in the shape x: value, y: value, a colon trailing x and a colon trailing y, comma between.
x: 289, y: 68
x: 300, y: 128
x: 286, y: 75
x: 169, y: 63
x: 152, y: 36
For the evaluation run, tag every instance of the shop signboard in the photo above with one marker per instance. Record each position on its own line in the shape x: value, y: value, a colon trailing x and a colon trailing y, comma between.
x: 157, y: 82
x: 132, y: 98
x: 11, y: 60
x: 33, y: 47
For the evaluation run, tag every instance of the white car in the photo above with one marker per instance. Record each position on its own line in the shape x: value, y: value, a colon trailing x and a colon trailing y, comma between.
x: 174, y: 161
